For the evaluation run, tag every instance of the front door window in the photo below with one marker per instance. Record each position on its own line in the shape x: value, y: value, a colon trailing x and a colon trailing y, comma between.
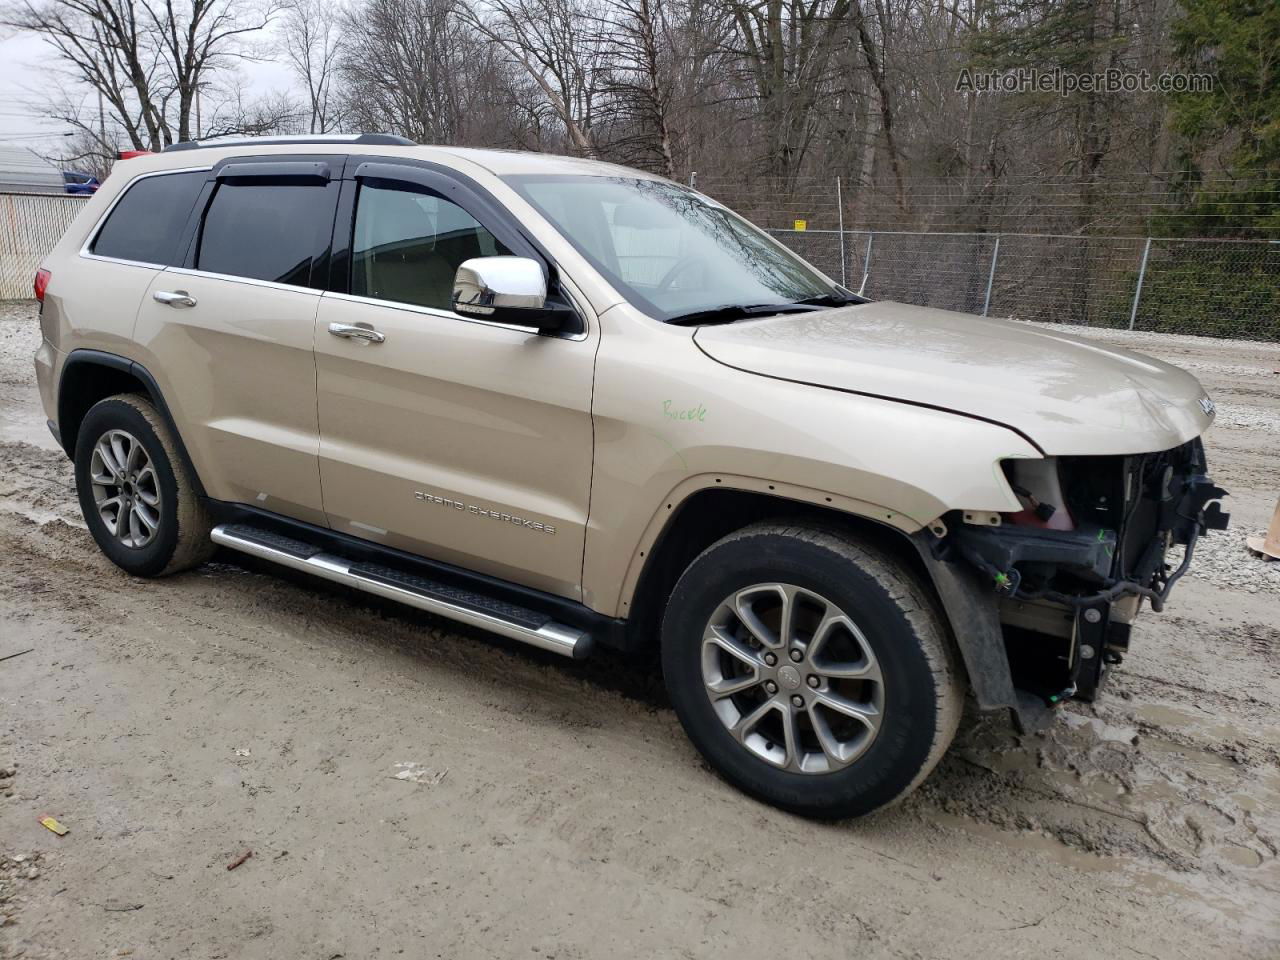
x: 408, y: 244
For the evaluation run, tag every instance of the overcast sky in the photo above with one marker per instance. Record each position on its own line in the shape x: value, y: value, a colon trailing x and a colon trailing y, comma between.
x: 25, y: 74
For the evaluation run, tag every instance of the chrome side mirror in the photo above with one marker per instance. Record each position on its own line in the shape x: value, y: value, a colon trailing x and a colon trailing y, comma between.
x: 505, y: 289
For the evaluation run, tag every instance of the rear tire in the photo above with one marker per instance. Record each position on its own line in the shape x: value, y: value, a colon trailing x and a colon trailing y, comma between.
x: 845, y: 712
x: 137, y: 496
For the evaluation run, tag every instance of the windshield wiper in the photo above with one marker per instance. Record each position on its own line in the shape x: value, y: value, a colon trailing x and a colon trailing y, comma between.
x: 738, y: 311
x: 832, y: 300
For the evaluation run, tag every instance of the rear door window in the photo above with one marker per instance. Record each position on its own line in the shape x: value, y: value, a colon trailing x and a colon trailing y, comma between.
x: 146, y: 224
x: 409, y: 243
x: 265, y: 231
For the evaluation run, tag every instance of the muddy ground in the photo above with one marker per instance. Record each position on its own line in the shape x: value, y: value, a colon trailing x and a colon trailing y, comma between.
x: 409, y: 789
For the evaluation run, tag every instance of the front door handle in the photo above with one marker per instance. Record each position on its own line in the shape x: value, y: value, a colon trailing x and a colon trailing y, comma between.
x: 175, y: 298
x: 356, y: 331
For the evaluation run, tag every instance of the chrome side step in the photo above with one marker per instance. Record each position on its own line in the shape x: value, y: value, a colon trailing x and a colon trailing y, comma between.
x: 465, y: 606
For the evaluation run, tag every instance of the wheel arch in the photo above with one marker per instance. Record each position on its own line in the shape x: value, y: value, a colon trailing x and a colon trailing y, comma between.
x: 89, y: 376
x: 709, y: 513
x: 691, y: 519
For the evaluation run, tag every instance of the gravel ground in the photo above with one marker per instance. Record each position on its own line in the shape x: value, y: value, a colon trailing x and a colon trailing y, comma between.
x: 409, y: 789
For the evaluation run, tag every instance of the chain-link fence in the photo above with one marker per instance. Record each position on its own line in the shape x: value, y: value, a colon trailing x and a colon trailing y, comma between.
x: 1217, y: 288
x: 30, y: 224
x: 1168, y: 203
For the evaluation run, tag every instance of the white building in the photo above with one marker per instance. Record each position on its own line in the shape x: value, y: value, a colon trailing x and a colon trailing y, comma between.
x: 23, y: 171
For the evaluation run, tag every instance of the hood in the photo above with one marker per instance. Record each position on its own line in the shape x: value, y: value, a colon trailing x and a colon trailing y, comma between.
x: 1068, y: 395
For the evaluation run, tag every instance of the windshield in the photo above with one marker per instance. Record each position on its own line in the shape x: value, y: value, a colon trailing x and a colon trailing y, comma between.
x: 669, y: 250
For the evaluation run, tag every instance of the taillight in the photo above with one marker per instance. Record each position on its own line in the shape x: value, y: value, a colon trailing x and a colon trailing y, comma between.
x: 42, y: 283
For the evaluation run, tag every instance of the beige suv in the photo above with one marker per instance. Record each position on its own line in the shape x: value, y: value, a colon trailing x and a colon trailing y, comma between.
x: 577, y: 405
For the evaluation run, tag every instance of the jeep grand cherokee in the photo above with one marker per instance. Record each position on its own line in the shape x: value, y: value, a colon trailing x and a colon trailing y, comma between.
x: 576, y: 404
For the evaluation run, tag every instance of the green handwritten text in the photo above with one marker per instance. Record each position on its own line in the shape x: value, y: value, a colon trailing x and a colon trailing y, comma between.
x: 698, y: 413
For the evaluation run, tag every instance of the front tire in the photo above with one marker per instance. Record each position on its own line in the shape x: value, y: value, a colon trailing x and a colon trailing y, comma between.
x: 138, y: 498
x: 813, y: 672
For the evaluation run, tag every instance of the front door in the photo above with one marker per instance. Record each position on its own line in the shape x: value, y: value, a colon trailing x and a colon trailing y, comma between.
x: 464, y: 441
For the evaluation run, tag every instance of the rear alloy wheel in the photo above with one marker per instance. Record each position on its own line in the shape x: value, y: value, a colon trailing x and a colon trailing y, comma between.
x: 138, y: 498
x: 811, y: 670
x: 126, y: 489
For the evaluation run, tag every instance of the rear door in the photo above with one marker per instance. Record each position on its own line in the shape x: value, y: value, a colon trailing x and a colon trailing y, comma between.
x: 137, y: 238
x: 229, y: 334
x: 454, y: 438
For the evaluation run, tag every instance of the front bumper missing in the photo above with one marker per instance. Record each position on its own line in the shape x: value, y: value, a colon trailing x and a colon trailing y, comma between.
x: 1090, y: 551
x: 1096, y: 575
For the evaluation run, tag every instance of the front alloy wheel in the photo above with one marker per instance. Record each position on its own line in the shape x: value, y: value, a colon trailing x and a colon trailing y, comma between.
x: 792, y: 678
x: 811, y: 669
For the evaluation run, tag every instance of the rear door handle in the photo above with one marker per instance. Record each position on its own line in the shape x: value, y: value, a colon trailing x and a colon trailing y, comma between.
x: 356, y: 331
x: 176, y: 298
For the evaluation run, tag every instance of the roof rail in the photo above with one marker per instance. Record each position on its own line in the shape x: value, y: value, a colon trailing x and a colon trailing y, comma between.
x: 374, y: 139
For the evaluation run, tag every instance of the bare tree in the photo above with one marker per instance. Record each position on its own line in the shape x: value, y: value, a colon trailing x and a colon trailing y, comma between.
x: 200, y: 36
x: 310, y: 32
x: 706, y: 111
x: 417, y: 68
x: 787, y: 49
x: 228, y: 112
x: 877, y: 66
x: 560, y: 46
x: 105, y: 46
x: 148, y: 58
x: 768, y: 98
x: 639, y: 83
x: 87, y: 152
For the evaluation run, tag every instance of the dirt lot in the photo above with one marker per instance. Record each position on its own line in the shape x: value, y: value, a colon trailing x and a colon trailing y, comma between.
x: 409, y: 790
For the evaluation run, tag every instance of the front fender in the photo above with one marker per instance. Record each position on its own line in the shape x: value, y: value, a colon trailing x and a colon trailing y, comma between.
x: 670, y: 421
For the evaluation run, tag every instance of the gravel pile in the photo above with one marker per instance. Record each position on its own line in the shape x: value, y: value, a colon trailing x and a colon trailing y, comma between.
x: 1223, y: 559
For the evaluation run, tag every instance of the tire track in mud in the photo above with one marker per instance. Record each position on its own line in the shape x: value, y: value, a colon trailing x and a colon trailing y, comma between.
x: 1128, y: 777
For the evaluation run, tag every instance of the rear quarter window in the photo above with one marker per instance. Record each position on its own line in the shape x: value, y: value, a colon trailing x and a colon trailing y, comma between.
x: 146, y: 223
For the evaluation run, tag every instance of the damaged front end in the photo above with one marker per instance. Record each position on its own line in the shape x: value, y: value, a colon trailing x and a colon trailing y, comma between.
x: 1068, y: 573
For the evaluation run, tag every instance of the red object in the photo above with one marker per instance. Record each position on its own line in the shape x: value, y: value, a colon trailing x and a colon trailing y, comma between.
x: 1060, y: 520
x: 130, y: 154
x: 43, y: 277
